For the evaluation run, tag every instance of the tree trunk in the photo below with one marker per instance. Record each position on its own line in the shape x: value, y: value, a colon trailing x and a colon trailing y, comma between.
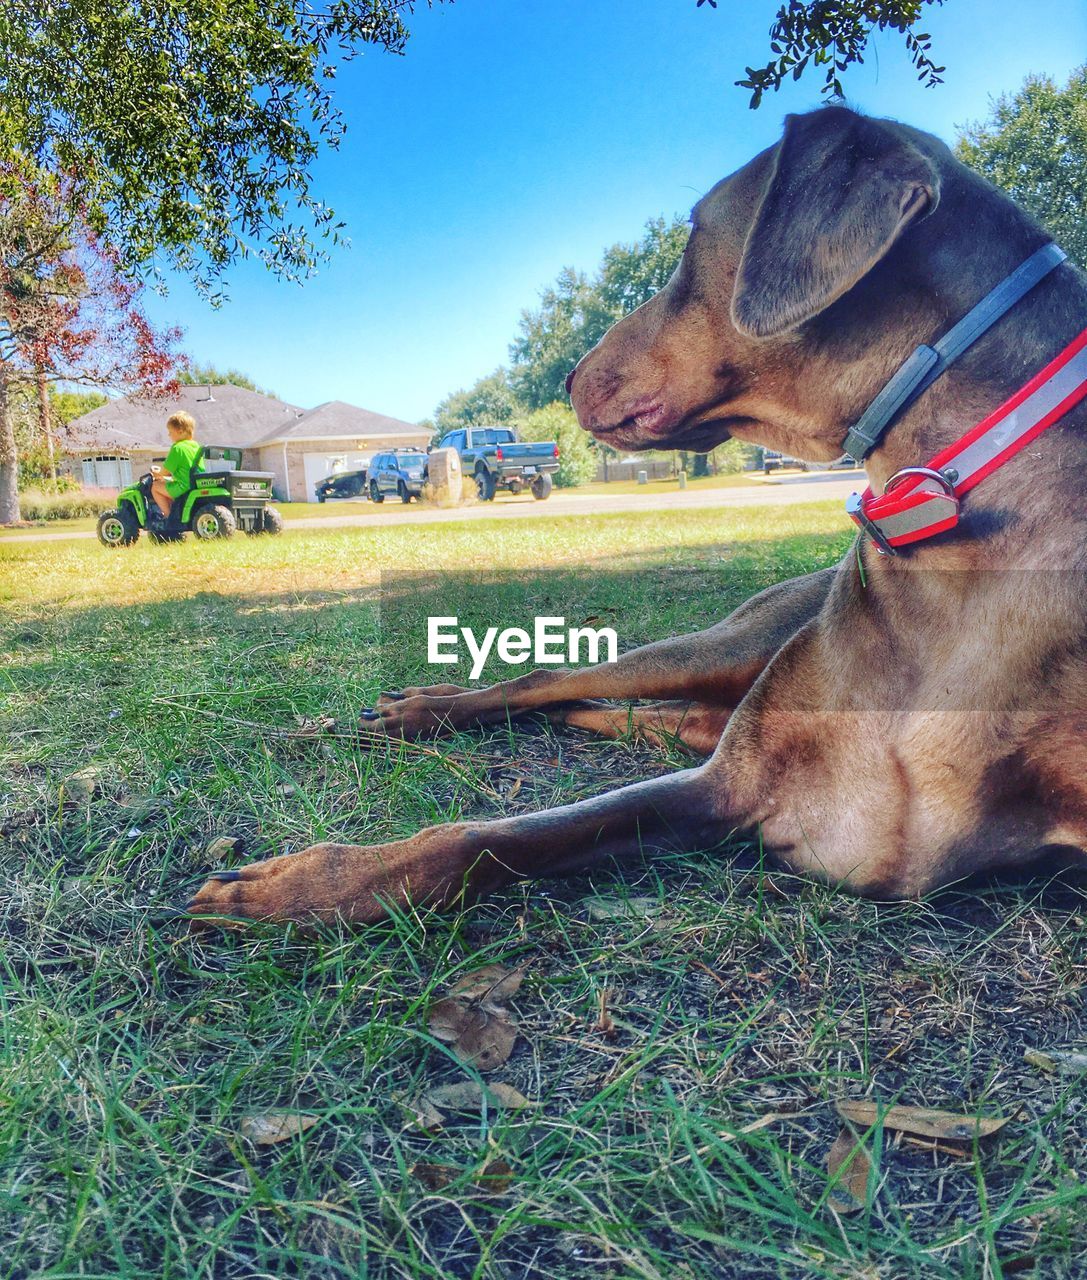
x: 9, y: 459
x: 46, y: 424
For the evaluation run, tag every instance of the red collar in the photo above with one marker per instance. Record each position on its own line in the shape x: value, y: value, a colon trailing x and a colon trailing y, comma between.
x: 918, y: 502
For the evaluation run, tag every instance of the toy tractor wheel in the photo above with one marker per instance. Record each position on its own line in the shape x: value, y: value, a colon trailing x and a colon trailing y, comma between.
x: 273, y: 521
x: 541, y: 487
x: 486, y: 485
x: 213, y: 522
x: 118, y: 528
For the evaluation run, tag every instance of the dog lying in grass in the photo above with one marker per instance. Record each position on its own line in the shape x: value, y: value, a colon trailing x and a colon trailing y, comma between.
x: 910, y: 717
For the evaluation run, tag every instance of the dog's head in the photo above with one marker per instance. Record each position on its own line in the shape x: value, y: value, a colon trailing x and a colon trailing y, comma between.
x: 765, y: 331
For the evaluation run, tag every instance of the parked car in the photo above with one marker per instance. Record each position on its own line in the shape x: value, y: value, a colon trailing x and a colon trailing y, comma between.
x: 496, y: 459
x: 343, y: 484
x: 401, y: 472
x: 772, y: 460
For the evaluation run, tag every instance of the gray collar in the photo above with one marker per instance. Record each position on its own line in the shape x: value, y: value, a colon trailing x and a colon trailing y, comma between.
x: 926, y: 364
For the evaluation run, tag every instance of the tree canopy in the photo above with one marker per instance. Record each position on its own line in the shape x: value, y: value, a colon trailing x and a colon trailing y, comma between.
x: 834, y: 34
x: 491, y: 401
x: 195, y: 374
x: 575, y: 312
x: 67, y: 312
x: 577, y: 452
x: 1034, y: 145
x: 67, y: 405
x: 190, y: 125
x: 193, y: 126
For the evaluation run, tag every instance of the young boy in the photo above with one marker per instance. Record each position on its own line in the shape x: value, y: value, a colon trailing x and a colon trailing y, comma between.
x: 171, y: 480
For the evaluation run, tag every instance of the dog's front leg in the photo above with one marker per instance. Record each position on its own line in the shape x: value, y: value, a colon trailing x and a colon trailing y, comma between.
x: 715, y: 668
x: 442, y: 866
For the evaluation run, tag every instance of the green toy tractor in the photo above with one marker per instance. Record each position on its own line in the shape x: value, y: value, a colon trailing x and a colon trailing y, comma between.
x: 220, y: 501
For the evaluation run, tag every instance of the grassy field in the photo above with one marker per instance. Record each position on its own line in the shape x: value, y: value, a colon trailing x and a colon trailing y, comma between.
x: 684, y: 1027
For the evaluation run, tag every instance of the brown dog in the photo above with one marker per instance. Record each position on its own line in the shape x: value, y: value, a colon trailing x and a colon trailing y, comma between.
x: 891, y: 724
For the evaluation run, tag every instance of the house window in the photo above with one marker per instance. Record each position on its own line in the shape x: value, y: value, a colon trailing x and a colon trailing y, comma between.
x: 107, y: 472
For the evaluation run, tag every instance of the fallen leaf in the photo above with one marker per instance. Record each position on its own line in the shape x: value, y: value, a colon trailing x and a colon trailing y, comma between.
x: 447, y: 1019
x: 435, y: 1176
x: 82, y: 786
x: 924, y: 1121
x: 480, y: 1036
x: 471, y: 1096
x: 266, y: 1128
x: 848, y: 1160
x: 488, y: 1044
x: 287, y: 789
x: 956, y: 1150
x: 494, y: 1179
x: 1065, y: 1061
x: 491, y: 984
x: 224, y: 847
x: 426, y: 1115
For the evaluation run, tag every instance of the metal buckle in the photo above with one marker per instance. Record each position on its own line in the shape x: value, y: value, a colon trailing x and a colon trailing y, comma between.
x: 946, y: 479
x: 854, y: 506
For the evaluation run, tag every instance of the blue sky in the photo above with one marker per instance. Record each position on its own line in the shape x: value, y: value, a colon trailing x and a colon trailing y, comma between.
x: 519, y: 136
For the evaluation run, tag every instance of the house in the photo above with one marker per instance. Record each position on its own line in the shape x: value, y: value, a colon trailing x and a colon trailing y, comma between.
x: 110, y: 445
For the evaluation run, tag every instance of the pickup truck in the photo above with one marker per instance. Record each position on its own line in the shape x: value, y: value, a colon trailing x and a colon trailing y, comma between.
x: 496, y: 459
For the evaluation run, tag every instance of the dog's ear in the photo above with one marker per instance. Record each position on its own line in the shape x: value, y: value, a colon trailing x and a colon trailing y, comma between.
x: 843, y: 189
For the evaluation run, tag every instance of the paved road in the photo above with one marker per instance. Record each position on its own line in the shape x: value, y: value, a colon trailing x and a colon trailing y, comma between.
x: 772, y: 492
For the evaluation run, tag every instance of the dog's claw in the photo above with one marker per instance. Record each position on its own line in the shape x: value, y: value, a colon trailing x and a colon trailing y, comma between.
x: 226, y: 876
x: 367, y: 714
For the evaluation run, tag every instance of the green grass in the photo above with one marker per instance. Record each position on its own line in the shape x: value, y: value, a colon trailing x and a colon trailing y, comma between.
x: 131, y: 1050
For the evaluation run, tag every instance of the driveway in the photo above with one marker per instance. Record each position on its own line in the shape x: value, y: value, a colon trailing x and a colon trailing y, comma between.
x: 772, y: 491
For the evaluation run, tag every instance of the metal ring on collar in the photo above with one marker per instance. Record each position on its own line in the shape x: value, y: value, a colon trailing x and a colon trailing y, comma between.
x: 927, y: 473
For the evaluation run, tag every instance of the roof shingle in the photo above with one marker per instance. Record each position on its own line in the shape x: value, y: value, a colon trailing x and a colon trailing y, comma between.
x: 225, y: 415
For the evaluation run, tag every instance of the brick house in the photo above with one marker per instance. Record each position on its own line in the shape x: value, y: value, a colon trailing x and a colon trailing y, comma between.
x: 111, y: 445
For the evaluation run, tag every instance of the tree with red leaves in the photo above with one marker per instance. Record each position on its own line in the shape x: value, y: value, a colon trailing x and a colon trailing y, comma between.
x: 68, y: 312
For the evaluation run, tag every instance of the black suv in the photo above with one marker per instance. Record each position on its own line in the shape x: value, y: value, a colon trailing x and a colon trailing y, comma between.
x: 401, y: 472
x: 344, y: 484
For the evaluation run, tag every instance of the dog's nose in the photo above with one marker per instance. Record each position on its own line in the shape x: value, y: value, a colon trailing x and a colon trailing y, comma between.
x: 570, y: 379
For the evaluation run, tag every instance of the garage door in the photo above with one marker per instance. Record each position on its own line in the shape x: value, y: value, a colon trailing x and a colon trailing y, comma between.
x: 320, y: 465
x: 107, y: 473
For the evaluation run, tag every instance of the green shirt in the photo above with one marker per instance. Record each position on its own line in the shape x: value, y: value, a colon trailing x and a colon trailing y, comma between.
x: 179, y: 463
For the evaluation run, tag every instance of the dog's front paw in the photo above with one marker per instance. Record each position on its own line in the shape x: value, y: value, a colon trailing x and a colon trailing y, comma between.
x: 321, y: 884
x: 411, y: 715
